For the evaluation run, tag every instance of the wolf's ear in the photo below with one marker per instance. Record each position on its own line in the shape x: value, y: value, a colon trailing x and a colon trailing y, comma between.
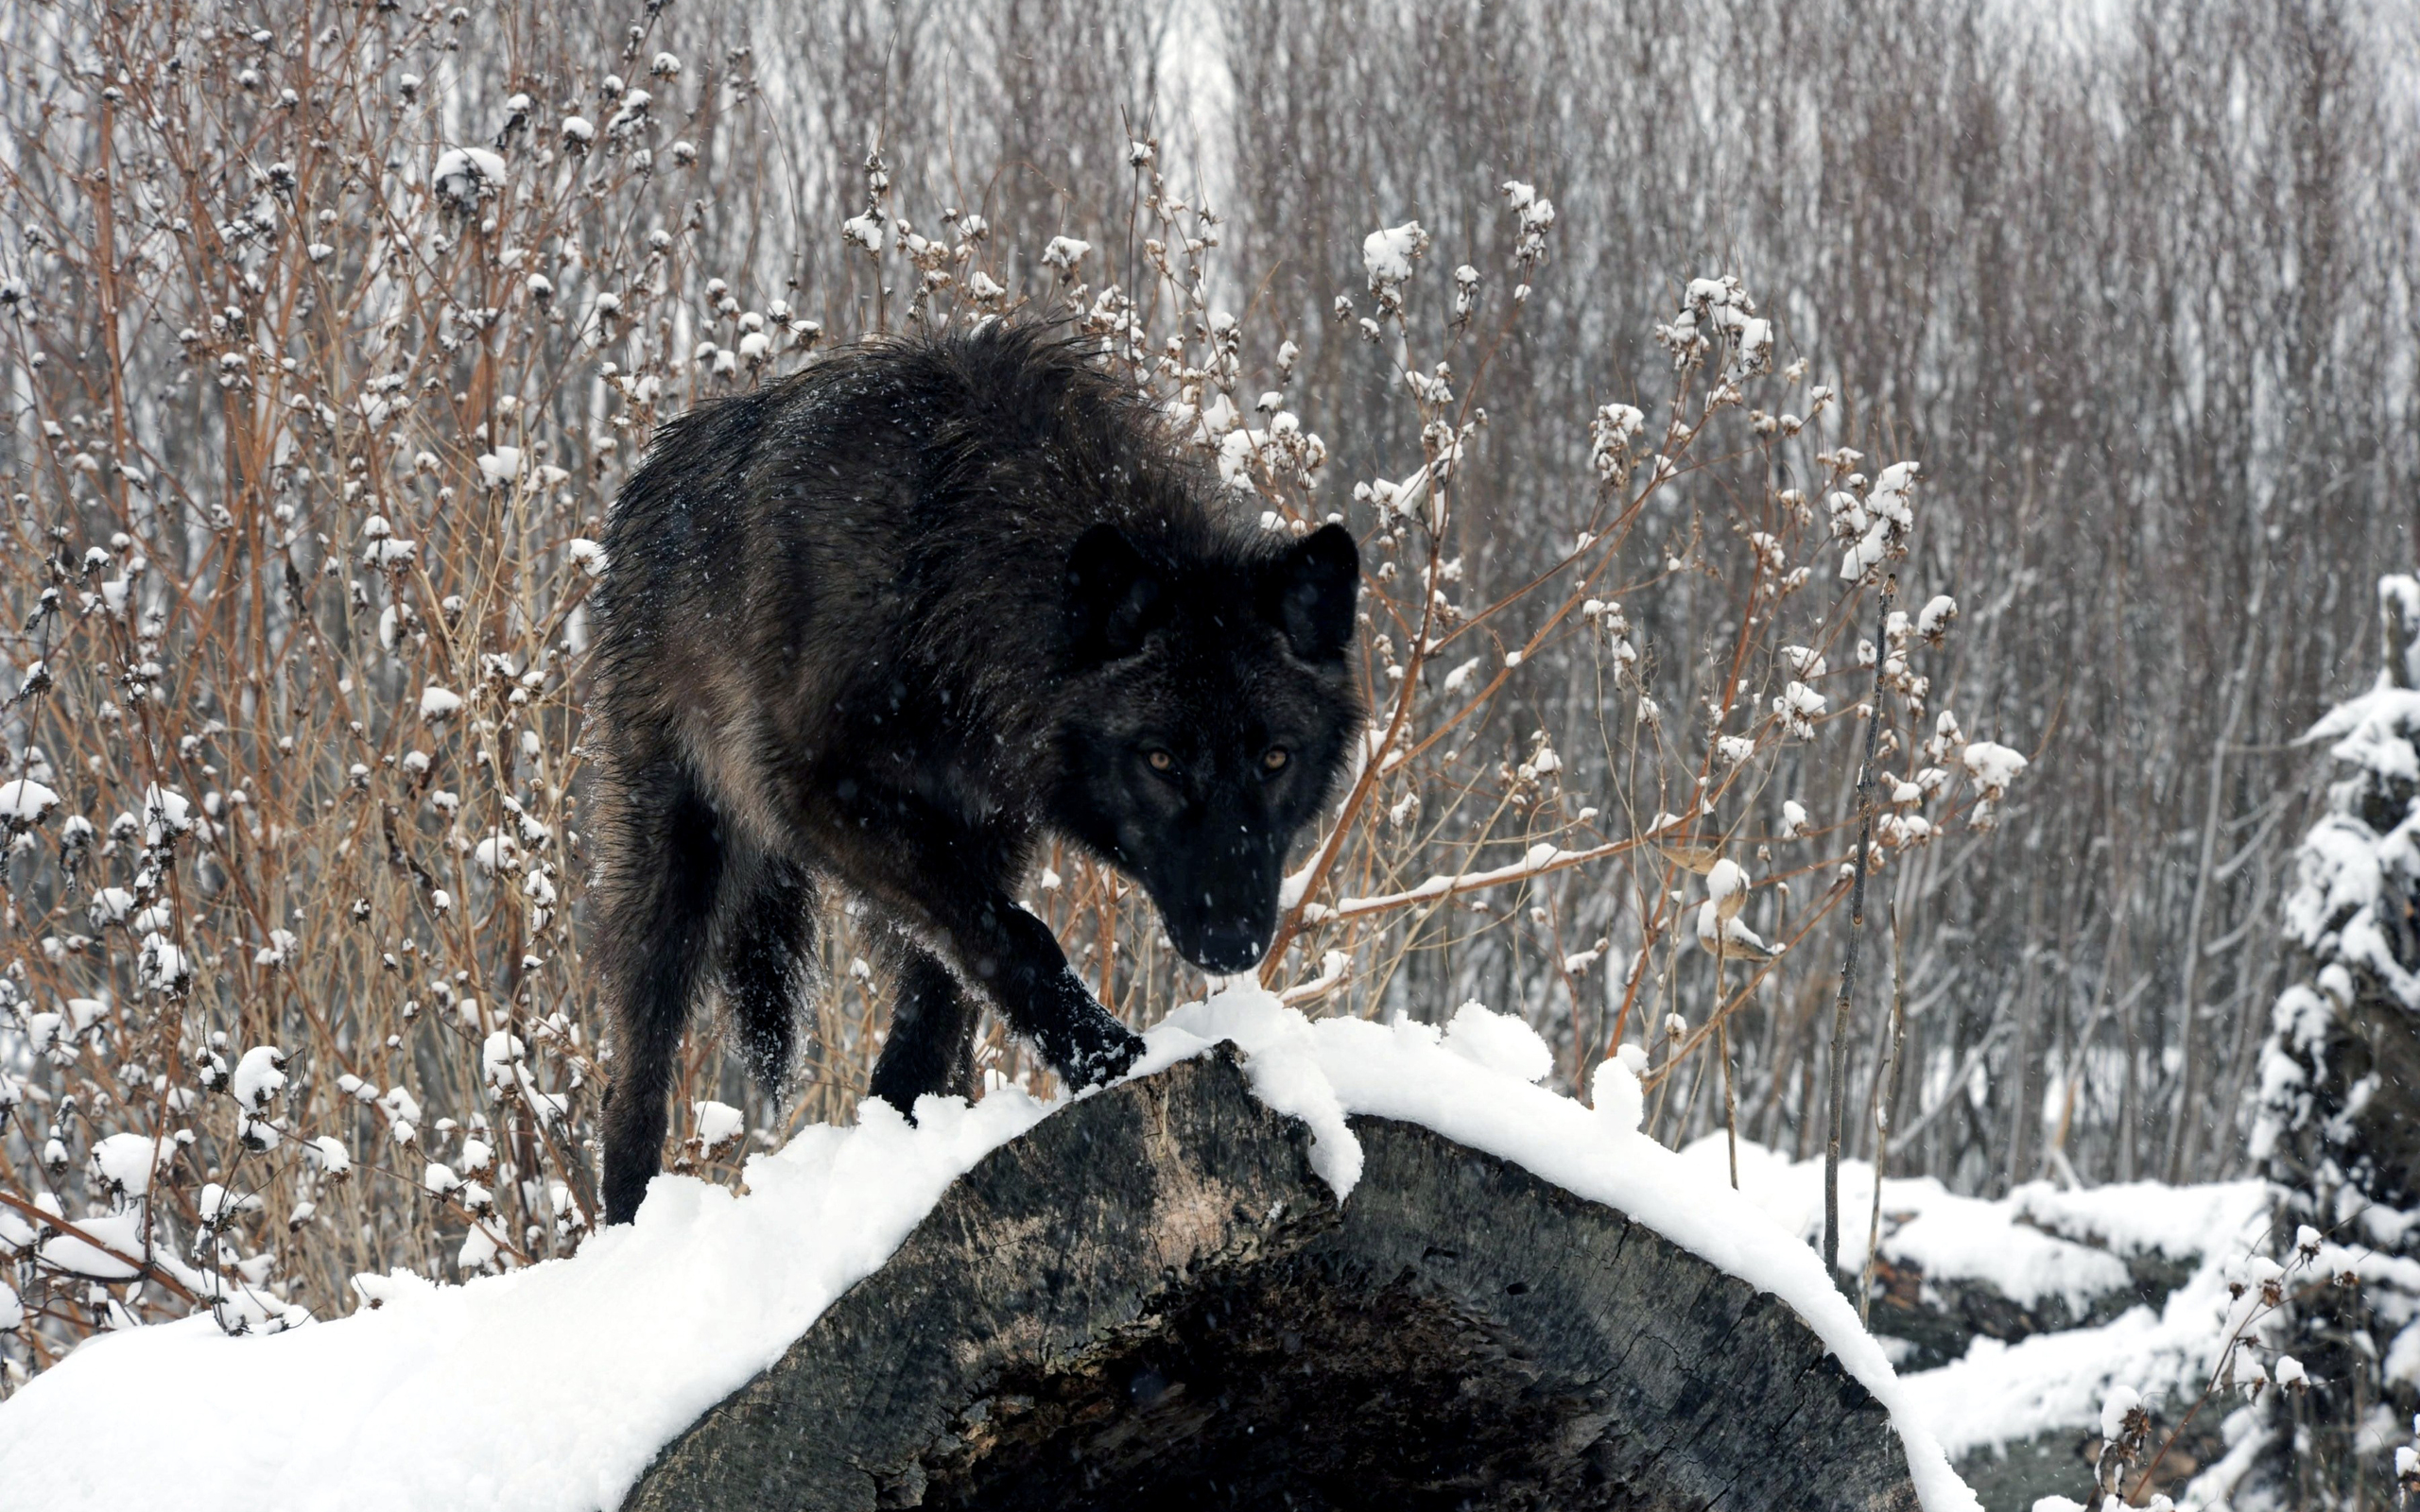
x: 1311, y: 592
x: 1111, y: 591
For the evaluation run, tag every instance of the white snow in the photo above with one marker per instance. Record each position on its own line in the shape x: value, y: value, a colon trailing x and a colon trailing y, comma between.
x: 2114, y: 1408
x: 2345, y: 869
x: 467, y: 175
x: 119, y: 1233
x: 109, y: 905
x: 126, y: 1161
x: 25, y: 802
x: 718, y: 1124
x: 497, y: 469
x: 42, y: 1031
x: 1718, y: 918
x: 1934, y: 618
x: 436, y: 702
x: 1500, y: 1041
x: 1387, y: 255
x: 165, y: 814
x: 260, y: 1078
x: 333, y: 1157
x: 2037, y: 1244
x: 1798, y: 705
x: 619, y: 1349
x: 863, y: 230
x: 1993, y: 766
x: 1926, y: 1226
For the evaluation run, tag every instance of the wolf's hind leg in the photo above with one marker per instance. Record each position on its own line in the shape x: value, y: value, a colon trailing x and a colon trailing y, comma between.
x: 767, y: 928
x: 654, y: 929
x: 931, y: 1044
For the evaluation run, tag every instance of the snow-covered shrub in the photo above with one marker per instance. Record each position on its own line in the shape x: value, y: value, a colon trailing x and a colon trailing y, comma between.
x: 315, y: 400
x: 2338, y: 1123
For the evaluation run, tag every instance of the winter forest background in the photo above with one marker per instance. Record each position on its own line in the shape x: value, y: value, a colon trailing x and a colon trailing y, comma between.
x: 329, y: 331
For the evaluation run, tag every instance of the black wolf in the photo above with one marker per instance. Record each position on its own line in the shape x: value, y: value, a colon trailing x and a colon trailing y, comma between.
x: 883, y: 625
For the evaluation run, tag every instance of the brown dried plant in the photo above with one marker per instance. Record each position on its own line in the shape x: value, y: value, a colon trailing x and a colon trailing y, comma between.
x: 322, y: 373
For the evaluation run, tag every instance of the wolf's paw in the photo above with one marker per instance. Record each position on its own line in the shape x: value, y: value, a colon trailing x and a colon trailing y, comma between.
x: 1105, y: 1052
x: 1087, y: 1046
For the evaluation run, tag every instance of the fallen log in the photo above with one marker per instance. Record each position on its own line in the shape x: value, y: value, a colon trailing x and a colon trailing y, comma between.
x: 1150, y: 1299
x: 1940, y: 1315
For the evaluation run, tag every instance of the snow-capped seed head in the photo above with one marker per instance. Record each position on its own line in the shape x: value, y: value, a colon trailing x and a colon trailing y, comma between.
x: 466, y: 176
x: 499, y: 1056
x: 126, y: 1161
x: 165, y: 815
x: 500, y: 468
x: 2121, y: 1415
x: 260, y: 1078
x: 329, y: 1153
x: 1934, y: 619
x: 1064, y: 253
x: 25, y: 802
x: 1993, y: 768
x: 1722, y: 935
x: 163, y: 965
x: 1388, y: 254
x: 717, y: 1125
x: 1726, y: 884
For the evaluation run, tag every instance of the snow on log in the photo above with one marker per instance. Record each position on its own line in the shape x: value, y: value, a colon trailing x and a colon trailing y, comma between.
x: 1153, y: 1301
x: 1331, y: 1265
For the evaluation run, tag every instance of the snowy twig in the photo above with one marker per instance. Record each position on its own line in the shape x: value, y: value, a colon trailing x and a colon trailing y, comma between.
x: 144, y: 1266
x: 1542, y: 860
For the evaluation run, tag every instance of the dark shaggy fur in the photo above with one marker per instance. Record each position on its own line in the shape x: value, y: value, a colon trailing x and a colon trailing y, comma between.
x: 886, y: 623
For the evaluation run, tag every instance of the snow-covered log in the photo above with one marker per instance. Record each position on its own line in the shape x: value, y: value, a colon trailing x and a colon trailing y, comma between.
x: 1152, y: 1299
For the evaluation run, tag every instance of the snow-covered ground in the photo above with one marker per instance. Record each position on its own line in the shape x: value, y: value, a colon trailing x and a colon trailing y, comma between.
x: 551, y: 1387
x: 2038, y: 1245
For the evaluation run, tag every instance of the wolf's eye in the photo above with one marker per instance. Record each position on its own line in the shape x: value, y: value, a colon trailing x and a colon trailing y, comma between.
x: 1161, y: 761
x: 1274, y: 758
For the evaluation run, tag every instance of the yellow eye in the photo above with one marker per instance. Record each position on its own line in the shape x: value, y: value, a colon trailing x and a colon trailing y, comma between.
x: 1274, y: 758
x: 1161, y: 761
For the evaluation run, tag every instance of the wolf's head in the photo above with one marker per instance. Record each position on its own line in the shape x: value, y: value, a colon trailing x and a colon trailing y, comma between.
x: 1210, y: 709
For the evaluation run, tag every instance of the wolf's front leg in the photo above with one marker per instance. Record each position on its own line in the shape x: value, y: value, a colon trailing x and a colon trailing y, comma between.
x: 1015, y: 960
x: 946, y: 881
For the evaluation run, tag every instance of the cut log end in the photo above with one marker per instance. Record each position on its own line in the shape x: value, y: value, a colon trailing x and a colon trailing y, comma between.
x: 1150, y: 1300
